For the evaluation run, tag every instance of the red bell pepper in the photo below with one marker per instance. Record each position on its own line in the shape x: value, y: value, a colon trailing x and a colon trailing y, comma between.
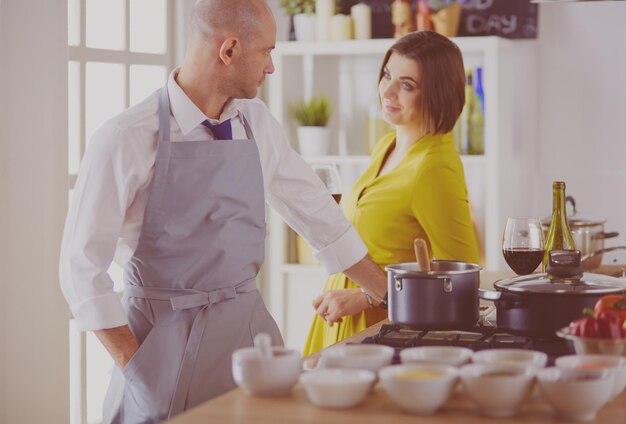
x: 604, y: 325
x: 609, y: 325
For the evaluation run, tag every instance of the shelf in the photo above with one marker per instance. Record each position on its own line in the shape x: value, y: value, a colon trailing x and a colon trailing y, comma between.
x: 374, y: 46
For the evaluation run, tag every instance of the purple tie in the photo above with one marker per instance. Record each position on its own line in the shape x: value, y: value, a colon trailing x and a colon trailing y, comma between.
x: 221, y: 131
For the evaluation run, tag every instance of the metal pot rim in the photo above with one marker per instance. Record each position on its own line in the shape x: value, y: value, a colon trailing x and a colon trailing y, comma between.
x: 400, y: 268
x: 609, y: 285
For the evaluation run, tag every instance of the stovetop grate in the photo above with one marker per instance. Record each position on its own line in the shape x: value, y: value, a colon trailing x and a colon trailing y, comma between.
x: 477, y: 338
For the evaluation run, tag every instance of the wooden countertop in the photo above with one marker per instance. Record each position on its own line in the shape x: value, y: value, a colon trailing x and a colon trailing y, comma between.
x: 237, y: 407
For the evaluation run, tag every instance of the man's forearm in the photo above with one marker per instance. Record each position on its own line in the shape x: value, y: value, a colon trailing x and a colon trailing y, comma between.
x: 369, y: 276
x: 120, y: 342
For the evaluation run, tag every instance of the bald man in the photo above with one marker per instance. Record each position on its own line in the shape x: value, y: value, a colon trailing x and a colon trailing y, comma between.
x: 174, y: 190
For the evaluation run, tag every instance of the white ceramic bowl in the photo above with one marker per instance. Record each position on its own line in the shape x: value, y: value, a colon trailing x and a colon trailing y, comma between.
x: 273, y: 376
x: 616, y: 364
x: 576, y: 394
x: 530, y: 358
x: 498, y: 389
x: 444, y: 355
x: 337, y: 388
x: 359, y: 356
x: 419, y: 388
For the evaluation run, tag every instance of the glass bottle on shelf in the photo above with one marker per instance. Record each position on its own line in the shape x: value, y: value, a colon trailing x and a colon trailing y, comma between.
x: 559, y: 235
x: 423, y: 20
x: 476, y: 121
x: 401, y: 17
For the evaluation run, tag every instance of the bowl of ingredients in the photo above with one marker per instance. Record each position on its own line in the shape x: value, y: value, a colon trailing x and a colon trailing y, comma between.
x: 444, y: 355
x: 358, y: 356
x: 419, y: 388
x: 531, y: 358
x: 576, y: 394
x: 614, y: 364
x: 498, y: 389
x: 337, y: 388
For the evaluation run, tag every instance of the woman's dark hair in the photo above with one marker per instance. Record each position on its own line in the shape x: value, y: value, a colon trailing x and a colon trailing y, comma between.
x: 442, y: 77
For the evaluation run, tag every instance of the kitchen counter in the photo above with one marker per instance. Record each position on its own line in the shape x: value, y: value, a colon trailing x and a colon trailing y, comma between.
x: 237, y: 407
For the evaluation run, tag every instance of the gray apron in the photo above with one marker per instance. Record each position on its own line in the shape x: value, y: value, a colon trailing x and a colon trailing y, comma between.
x: 190, y: 287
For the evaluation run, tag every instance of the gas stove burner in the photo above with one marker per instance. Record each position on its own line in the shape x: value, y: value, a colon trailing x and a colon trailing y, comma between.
x: 477, y: 338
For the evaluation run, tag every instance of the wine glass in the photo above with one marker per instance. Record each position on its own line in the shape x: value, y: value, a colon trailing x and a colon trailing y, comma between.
x: 328, y: 173
x: 523, y: 244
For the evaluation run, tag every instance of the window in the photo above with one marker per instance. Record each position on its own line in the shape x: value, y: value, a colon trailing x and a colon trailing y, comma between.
x: 119, y: 52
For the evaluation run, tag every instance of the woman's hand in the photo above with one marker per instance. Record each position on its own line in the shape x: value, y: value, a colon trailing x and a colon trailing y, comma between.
x: 334, y: 304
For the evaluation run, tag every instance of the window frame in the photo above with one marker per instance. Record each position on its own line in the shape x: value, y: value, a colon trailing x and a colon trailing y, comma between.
x: 82, y: 54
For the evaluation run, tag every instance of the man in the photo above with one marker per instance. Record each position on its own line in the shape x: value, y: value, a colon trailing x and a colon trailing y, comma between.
x: 174, y: 190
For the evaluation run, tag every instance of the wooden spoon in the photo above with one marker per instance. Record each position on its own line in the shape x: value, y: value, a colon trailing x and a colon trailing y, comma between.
x: 421, y: 255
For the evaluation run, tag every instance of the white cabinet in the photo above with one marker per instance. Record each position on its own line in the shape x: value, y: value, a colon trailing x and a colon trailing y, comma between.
x: 347, y: 72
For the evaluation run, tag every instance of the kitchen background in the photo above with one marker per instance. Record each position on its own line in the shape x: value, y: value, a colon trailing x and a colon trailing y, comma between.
x: 579, y: 136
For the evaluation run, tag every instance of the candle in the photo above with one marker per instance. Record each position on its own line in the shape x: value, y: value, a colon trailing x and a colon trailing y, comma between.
x: 362, y: 18
x: 340, y: 27
x: 324, y: 10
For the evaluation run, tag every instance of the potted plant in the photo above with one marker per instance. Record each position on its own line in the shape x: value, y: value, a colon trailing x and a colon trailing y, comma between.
x: 313, y: 116
x: 303, y: 14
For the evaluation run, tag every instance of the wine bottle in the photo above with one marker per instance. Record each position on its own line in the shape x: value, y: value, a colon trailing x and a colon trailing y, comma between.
x: 559, y: 235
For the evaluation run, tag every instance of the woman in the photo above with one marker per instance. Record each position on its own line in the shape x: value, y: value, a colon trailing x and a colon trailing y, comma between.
x: 414, y: 186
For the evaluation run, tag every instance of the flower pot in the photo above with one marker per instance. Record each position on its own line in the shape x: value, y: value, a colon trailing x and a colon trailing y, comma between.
x: 304, y: 26
x: 313, y: 141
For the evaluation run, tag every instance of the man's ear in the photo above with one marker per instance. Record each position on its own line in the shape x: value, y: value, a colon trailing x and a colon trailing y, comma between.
x: 230, y: 50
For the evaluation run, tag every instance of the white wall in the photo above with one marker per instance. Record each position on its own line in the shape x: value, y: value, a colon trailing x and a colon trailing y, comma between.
x: 582, y: 97
x: 33, y: 192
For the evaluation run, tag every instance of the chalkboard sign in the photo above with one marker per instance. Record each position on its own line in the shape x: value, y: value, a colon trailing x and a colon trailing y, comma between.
x: 505, y: 18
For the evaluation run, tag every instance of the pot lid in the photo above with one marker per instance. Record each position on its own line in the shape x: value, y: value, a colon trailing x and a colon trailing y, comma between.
x: 587, y: 283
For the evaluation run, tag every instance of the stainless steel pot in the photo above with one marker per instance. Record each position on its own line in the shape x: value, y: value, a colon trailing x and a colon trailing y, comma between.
x: 446, y: 297
x: 588, y: 234
x: 540, y: 304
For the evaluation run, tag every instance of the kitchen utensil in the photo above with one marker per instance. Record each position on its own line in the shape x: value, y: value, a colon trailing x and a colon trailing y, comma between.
x: 528, y: 358
x: 421, y: 255
x: 262, y: 342
x: 540, y: 304
x: 588, y: 234
x: 359, y: 356
x: 589, y: 345
x: 445, y: 297
x: 444, y: 355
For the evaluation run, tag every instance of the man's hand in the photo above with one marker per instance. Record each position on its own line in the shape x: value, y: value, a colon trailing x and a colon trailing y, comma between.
x: 334, y: 304
x: 120, y: 342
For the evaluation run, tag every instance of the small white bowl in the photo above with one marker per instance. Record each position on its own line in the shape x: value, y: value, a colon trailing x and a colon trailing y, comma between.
x: 419, y: 388
x: 576, y: 394
x: 616, y: 364
x: 531, y: 358
x: 444, y: 355
x: 359, y: 356
x: 498, y: 389
x: 273, y: 376
x: 337, y: 388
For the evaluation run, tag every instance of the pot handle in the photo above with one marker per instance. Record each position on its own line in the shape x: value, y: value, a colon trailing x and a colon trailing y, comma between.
x: 604, y: 236
x: 489, y: 294
x: 447, y: 282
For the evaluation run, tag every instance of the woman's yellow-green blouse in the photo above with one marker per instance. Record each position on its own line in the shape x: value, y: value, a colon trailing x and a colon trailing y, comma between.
x: 424, y: 196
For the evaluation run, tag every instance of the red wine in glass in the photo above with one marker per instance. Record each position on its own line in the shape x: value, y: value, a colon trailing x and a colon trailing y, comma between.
x: 523, y: 260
